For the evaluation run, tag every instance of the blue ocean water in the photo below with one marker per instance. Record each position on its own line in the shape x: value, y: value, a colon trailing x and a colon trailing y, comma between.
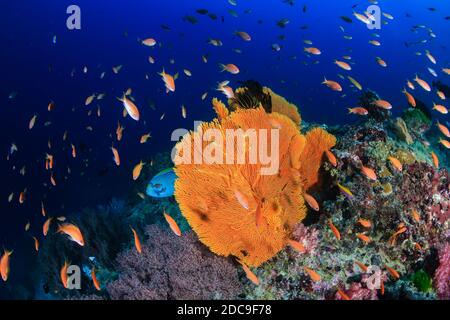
x: 40, y: 69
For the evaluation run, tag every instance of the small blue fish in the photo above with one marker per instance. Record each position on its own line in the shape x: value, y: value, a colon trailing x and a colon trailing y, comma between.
x: 162, y: 185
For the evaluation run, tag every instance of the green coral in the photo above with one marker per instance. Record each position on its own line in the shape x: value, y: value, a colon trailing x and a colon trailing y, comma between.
x: 422, y: 281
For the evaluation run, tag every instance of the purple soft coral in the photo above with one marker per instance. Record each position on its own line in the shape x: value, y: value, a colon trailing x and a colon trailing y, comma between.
x: 172, y: 267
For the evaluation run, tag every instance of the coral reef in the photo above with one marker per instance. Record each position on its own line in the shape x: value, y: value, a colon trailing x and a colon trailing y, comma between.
x: 382, y: 238
x: 390, y: 228
x: 172, y: 267
x: 239, y: 211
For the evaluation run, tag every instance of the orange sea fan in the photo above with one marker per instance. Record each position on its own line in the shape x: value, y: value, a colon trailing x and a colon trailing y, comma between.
x: 209, y: 194
x: 281, y: 105
x: 221, y: 111
x: 233, y: 208
x: 317, y: 142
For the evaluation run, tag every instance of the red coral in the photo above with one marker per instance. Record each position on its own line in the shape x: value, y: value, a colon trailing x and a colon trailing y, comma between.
x: 172, y: 267
x: 442, y: 275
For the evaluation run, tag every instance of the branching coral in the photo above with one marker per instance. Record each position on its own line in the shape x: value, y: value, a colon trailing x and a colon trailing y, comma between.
x: 233, y: 207
x: 172, y: 267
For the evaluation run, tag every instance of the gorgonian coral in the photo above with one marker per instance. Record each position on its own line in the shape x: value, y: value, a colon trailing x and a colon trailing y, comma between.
x: 172, y: 267
x: 233, y: 206
x: 281, y: 105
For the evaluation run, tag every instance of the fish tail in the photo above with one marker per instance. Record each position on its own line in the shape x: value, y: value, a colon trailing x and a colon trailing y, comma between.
x: 350, y: 110
x: 222, y: 67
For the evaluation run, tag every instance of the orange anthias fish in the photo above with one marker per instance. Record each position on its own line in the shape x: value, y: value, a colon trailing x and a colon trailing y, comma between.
x: 312, y: 50
x: 169, y: 81
x: 46, y: 226
x: 231, y: 68
x: 144, y: 138
x: 43, y: 209
x: 415, y: 215
x: 365, y: 223
x: 73, y: 232
x: 393, y: 272
x: 313, y: 204
x: 51, y: 106
x: 249, y: 274
x: 22, y: 197
x: 440, y: 108
x: 36, y: 243
x: 131, y: 108
x: 95, y: 280
x: 343, y: 65
x: 119, y: 132
x: 149, y: 42
x: 383, y: 104
x: 443, y: 129
x: 393, y: 238
x: 359, y: 111
x: 333, y: 85
x: 396, y: 163
x: 116, y: 156
x: 51, y: 160
x: 297, y: 246
x: 137, y: 242
x: 422, y: 83
x: 331, y: 158
x: 445, y: 143
x: 243, y: 35
x: 435, y: 159
x: 242, y: 199
x: 363, y: 238
x: 335, y: 230
x: 381, y: 62
x: 369, y: 173
x: 4, y: 265
x: 410, y: 98
x: 361, y: 265
x: 173, y: 224
x: 74, y: 151
x: 32, y: 122
x: 137, y: 170
x: 343, y: 295
x: 63, y: 274
x: 312, y: 274
x: 52, y: 180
